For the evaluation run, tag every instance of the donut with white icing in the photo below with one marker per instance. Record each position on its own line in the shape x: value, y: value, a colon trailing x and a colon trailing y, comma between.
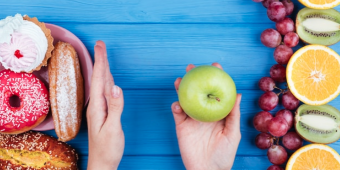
x: 24, y: 102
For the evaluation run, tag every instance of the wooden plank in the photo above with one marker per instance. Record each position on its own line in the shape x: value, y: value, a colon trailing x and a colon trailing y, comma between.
x: 137, y: 11
x: 150, y: 43
x: 149, y: 126
x: 152, y: 56
x: 175, y: 162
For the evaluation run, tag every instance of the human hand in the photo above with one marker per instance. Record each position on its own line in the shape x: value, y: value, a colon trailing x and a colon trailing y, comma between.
x: 106, y: 137
x: 205, y: 145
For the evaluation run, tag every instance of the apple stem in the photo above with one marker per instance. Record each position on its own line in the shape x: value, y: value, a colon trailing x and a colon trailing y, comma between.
x: 213, y: 97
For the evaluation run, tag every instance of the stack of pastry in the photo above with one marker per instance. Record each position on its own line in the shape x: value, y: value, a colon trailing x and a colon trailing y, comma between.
x: 25, y: 46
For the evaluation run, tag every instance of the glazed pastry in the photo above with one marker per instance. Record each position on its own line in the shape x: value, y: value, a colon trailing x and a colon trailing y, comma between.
x: 35, y: 151
x: 24, y: 102
x: 25, y: 44
x: 66, y: 91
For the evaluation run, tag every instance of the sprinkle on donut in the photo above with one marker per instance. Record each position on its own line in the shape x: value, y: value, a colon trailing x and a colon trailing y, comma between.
x: 20, y: 116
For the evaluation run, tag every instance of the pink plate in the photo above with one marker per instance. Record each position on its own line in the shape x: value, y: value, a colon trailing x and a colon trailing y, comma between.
x: 86, y: 65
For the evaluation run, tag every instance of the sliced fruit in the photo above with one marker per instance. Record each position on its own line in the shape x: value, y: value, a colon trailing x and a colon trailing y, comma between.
x: 318, y: 26
x: 313, y: 74
x: 314, y: 156
x: 318, y: 124
x: 320, y: 4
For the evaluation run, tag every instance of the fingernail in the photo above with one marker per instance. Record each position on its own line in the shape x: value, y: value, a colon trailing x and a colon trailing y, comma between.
x: 115, y: 91
x: 239, y: 99
x: 177, y: 107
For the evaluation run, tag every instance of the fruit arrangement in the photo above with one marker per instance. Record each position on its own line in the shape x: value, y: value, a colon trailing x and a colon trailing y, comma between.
x: 275, y: 128
x: 305, y: 74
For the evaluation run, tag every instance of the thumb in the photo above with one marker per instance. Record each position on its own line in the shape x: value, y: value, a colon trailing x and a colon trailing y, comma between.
x: 232, y: 121
x: 178, y: 113
x: 115, y: 105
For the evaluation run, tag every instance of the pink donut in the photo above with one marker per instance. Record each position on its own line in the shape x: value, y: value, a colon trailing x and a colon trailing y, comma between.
x: 24, y: 102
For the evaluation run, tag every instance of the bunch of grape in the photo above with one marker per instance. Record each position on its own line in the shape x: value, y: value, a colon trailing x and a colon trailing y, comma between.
x: 272, y: 128
x: 275, y: 128
x: 284, y: 37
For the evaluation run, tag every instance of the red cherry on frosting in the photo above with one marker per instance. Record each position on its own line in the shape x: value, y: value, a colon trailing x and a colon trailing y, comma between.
x: 17, y: 54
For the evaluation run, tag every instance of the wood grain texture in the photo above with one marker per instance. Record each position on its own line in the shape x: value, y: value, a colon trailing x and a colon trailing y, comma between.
x: 150, y: 43
x: 175, y: 163
x: 139, y: 11
x: 149, y: 126
x: 152, y: 56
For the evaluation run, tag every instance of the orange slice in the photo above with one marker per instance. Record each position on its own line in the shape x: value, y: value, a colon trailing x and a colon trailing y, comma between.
x: 313, y: 74
x: 314, y: 157
x: 320, y: 4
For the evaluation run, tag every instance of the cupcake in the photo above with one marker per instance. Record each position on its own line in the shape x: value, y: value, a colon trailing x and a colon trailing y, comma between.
x: 25, y: 43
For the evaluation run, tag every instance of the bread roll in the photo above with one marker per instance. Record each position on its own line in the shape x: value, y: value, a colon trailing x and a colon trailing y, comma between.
x: 66, y: 91
x: 33, y: 151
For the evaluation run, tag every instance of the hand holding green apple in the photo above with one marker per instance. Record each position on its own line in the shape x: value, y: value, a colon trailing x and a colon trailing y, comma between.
x: 207, y: 93
x: 207, y: 145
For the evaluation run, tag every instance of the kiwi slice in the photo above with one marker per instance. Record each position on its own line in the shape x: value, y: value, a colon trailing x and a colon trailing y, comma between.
x: 315, y: 26
x: 318, y: 124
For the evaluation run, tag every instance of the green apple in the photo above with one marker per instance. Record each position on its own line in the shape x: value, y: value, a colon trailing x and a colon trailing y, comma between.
x: 207, y: 93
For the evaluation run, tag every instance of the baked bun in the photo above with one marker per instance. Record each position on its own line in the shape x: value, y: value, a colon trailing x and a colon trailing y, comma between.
x: 35, y: 151
x: 66, y: 91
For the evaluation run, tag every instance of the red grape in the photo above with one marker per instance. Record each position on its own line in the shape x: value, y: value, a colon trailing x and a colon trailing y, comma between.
x: 291, y: 39
x: 292, y: 141
x: 257, y: 0
x: 278, y: 126
x: 282, y: 54
x: 278, y: 73
x: 287, y: 115
x: 275, y: 167
x: 268, y: 101
x: 285, y: 26
x: 277, y: 155
x: 264, y: 140
x: 276, y: 11
x: 289, y: 101
x: 271, y: 38
x: 261, y: 120
x: 266, y: 3
x: 266, y: 84
x: 289, y: 6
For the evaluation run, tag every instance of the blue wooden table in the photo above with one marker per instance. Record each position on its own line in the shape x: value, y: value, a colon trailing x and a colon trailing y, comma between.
x: 150, y: 43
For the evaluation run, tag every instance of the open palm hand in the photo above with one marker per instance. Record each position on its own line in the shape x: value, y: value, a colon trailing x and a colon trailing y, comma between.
x: 106, y: 136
